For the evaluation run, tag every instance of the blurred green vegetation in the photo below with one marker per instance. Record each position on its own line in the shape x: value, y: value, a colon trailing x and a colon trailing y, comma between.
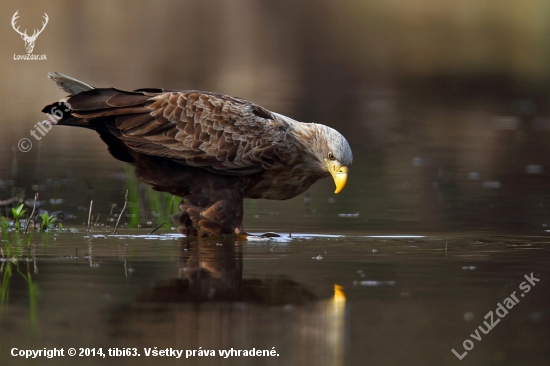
x: 147, y: 206
x: 16, y: 253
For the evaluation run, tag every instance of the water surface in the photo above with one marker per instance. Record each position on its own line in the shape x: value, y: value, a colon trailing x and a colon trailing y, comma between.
x: 408, y: 299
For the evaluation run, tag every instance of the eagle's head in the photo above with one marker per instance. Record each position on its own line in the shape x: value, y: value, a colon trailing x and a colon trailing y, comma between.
x: 325, y: 151
x: 334, y: 154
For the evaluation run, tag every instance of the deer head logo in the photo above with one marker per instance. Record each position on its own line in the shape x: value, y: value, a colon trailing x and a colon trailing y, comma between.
x: 29, y: 40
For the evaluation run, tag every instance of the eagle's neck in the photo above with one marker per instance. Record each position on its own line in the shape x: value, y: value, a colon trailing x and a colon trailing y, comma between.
x: 303, y: 168
x: 311, y: 143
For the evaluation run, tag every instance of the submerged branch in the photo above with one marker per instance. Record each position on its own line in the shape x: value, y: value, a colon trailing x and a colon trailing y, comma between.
x: 32, y: 213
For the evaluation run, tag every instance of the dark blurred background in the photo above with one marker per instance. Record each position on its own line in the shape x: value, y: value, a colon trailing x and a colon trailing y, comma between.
x: 443, y: 102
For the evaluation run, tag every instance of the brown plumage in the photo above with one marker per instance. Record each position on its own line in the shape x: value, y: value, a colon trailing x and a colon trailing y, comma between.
x: 210, y: 149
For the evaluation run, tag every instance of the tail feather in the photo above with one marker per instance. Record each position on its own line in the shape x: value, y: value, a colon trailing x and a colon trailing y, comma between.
x: 96, y: 109
x: 69, y: 84
x: 60, y: 114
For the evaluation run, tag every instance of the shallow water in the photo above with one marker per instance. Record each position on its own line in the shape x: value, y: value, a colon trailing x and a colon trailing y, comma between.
x: 435, y: 228
x: 427, y: 238
x: 408, y: 299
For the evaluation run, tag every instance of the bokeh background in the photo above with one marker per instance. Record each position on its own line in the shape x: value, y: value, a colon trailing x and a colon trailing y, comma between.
x: 443, y: 102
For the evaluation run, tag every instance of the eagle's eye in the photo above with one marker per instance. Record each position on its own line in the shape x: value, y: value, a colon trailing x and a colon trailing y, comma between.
x: 331, y: 156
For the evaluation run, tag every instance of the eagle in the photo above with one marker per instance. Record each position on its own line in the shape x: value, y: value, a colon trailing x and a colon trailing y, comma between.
x: 210, y: 149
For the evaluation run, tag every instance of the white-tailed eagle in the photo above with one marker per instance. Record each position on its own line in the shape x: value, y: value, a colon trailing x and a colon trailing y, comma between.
x: 212, y: 150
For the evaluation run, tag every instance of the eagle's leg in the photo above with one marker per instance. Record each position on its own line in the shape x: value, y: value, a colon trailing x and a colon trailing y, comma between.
x: 212, y: 204
x: 214, y: 207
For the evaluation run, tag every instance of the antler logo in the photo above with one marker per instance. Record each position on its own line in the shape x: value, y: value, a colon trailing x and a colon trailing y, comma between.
x: 29, y: 40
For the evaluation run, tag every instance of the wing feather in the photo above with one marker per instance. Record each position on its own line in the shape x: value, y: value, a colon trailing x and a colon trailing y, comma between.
x: 220, y: 133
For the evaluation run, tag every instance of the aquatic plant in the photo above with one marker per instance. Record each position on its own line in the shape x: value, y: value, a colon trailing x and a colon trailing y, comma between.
x: 17, y: 215
x: 47, y: 221
x: 4, y: 227
x: 163, y: 205
x: 4, y: 230
x: 133, y: 198
x: 144, y: 201
x: 5, y: 291
x: 13, y: 255
x: 32, y: 289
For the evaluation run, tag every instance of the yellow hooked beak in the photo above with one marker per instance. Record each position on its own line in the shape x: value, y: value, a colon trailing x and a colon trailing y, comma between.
x: 340, y: 175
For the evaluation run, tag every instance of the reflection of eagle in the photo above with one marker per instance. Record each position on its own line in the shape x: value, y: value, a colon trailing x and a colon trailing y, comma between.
x: 213, y: 303
x: 210, y: 149
x: 210, y: 272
